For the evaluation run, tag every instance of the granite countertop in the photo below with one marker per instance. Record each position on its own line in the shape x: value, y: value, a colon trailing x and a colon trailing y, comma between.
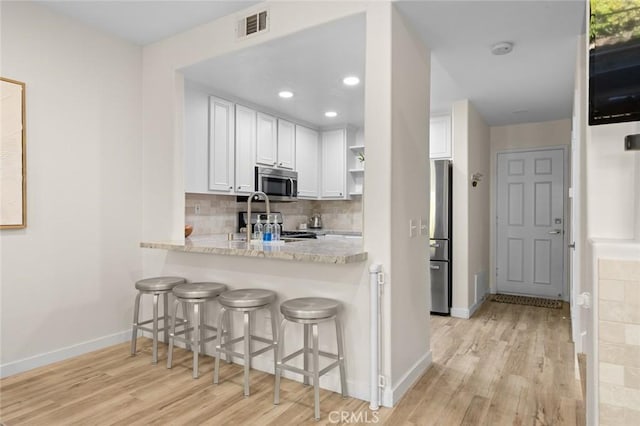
x: 336, y: 232
x: 306, y: 250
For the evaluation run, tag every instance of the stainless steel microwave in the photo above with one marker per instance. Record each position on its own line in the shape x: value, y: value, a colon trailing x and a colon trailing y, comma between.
x: 278, y: 184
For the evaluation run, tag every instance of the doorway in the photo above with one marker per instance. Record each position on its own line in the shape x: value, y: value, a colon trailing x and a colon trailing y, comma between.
x: 530, y: 223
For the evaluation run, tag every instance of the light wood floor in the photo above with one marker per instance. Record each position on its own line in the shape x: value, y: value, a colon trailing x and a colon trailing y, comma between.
x: 508, y: 365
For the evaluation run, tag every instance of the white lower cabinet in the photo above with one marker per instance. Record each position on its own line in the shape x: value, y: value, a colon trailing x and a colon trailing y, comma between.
x: 334, y: 150
x: 307, y: 161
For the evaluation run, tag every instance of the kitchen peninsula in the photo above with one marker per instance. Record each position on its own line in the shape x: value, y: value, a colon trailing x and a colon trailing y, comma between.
x: 311, y: 250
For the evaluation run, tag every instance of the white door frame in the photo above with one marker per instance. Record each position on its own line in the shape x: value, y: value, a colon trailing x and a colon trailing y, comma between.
x: 565, y: 216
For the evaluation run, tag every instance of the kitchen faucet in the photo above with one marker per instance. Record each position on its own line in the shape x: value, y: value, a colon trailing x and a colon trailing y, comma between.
x: 256, y: 194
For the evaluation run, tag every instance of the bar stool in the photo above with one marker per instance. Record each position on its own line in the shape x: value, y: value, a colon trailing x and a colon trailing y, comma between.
x: 246, y: 301
x: 156, y: 286
x: 310, y: 311
x: 196, y: 295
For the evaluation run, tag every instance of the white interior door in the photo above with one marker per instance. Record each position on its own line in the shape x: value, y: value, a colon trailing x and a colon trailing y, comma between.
x: 530, y: 223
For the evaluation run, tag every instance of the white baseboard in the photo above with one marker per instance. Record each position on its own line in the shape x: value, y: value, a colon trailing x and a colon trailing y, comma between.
x: 392, y: 395
x: 465, y: 313
x: 15, y: 367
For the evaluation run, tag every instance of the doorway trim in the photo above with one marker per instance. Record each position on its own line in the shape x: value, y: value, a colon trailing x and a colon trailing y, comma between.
x: 566, y: 292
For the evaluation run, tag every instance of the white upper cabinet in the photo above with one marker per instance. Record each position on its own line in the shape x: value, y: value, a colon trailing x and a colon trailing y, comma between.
x: 196, y: 134
x: 440, y: 137
x: 307, y: 161
x: 267, y: 140
x: 286, y: 144
x: 334, y: 147
x: 221, y: 145
x: 245, y: 145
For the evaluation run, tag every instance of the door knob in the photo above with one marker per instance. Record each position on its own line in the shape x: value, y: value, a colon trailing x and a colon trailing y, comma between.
x: 572, y: 245
x: 555, y: 231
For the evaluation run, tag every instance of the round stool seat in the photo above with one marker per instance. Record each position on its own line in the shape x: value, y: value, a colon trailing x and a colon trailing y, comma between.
x: 246, y: 298
x: 198, y: 290
x: 159, y: 283
x: 310, y: 308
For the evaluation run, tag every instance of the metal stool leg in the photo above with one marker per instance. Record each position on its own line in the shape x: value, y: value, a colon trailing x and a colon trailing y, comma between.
x: 202, y: 328
x: 227, y: 335
x: 343, y: 377
x: 219, y: 325
x: 165, y: 321
x: 274, y: 334
x: 176, y: 302
x: 187, y: 334
x: 305, y: 354
x: 154, y: 359
x: 247, y: 350
x: 196, y: 335
x: 134, y: 332
x: 316, y: 371
x: 279, y: 354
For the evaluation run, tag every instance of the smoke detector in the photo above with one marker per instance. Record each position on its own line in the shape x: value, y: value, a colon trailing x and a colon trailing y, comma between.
x: 502, y: 48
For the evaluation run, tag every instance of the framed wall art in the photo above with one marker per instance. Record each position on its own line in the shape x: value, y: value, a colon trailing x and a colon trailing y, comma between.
x: 13, y: 177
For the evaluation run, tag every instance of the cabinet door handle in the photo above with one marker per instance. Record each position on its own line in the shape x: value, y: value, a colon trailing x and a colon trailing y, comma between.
x: 280, y: 164
x: 239, y: 188
x: 231, y: 187
x: 435, y: 267
x: 436, y: 245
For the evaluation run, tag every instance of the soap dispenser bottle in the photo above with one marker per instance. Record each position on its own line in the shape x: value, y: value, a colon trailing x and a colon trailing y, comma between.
x: 268, y: 229
x: 257, y: 230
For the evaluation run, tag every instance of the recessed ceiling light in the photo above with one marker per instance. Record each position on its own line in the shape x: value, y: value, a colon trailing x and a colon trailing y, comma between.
x: 502, y: 48
x: 351, y: 80
x: 285, y: 94
x: 330, y: 114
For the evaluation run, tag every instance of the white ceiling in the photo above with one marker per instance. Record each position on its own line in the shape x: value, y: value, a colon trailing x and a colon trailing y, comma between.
x: 533, y: 83
x: 310, y: 63
x: 146, y: 21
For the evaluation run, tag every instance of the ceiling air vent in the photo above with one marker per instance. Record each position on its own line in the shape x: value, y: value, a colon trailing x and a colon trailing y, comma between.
x: 252, y: 24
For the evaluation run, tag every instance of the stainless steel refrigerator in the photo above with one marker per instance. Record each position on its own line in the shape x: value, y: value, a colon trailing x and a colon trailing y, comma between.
x: 440, y: 237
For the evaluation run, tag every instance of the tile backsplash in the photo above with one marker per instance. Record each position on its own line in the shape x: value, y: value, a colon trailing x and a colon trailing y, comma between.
x: 619, y: 341
x: 218, y: 214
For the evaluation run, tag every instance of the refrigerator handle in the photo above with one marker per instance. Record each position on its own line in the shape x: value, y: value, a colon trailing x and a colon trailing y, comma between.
x: 436, y: 267
x: 434, y: 245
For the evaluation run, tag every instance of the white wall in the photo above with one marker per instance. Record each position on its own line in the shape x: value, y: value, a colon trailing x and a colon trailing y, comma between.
x: 410, y: 84
x: 470, y: 207
x: 163, y: 176
x: 613, y: 182
x: 68, y: 277
x: 460, y: 206
x: 478, y: 219
x: 514, y: 137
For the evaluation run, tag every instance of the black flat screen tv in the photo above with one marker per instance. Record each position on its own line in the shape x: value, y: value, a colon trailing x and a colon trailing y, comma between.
x: 614, y: 61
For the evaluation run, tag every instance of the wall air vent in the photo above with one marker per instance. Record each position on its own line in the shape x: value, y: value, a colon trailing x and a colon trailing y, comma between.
x: 253, y: 24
